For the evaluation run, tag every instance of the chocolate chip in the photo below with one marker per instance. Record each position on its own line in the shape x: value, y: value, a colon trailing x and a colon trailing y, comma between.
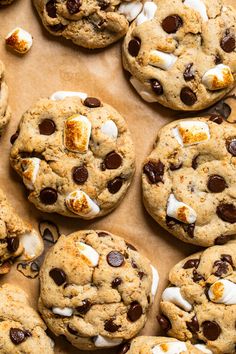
x: 49, y: 231
x: 111, y: 326
x: 13, y: 244
x: 188, y: 72
x: 48, y: 196
x: 135, y: 311
x: 123, y: 348
x: 134, y: 46
x: 225, y: 110
x: 227, y: 258
x: 222, y: 268
x: 103, y: 4
x: 131, y: 246
x: 56, y: 28
x: 191, y: 263
x: 115, y: 259
x: 218, y: 59
x: 221, y: 240
x: 85, y: 307
x: 58, y: 275
x: 72, y: 330
x: 115, y: 185
x: 47, y: 127
x: 172, y: 23
x: 197, y: 277
x: 171, y: 222
x: 231, y: 146
x: 227, y: 212
x: 164, y: 322
x: 17, y: 335
x: 80, y: 174
x: 154, y: 171
x: 51, y: 8
x: 92, y: 102
x: 216, y: 118
x: 156, y: 87
x: 34, y: 267
x: 14, y: 137
x: 194, y: 162
x: 193, y: 326
x: 189, y: 229
x: 211, y: 330
x: 141, y: 275
x: 73, y: 6
x: 113, y: 161
x: 187, y: 96
x: 102, y: 234
x: 134, y: 265
x: 116, y: 282
x: 174, y: 167
x: 216, y: 184
x: 228, y: 42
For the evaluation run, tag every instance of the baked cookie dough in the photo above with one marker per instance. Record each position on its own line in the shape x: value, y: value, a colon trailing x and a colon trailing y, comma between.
x: 189, y: 184
x: 96, y: 289
x: 182, y: 53
x: 5, y: 2
x: 5, y: 112
x: 74, y: 154
x: 90, y: 24
x: 17, y: 238
x: 21, y: 328
x: 200, y: 302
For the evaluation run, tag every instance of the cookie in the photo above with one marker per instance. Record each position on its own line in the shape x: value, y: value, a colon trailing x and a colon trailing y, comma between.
x: 74, y: 154
x: 189, y: 180
x: 200, y: 302
x: 182, y: 54
x: 5, y: 112
x: 17, y: 238
x: 5, y: 2
x: 90, y: 24
x: 21, y: 328
x: 96, y: 289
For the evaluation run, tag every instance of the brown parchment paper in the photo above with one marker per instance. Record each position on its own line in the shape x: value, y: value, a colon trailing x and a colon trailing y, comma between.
x: 56, y: 64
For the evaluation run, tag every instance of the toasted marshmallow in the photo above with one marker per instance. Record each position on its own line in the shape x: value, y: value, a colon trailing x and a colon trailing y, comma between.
x: 102, y: 342
x: 77, y: 133
x: 180, y: 211
x: 174, y: 295
x: 147, y: 14
x: 199, y: 6
x: 218, y: 78
x: 81, y: 204
x: 155, y: 281
x: 223, y: 291
x: 60, y: 95
x: 203, y: 348
x: 161, y: 60
x: 170, y: 348
x: 19, y: 40
x: 110, y: 129
x: 88, y: 253
x: 30, y: 168
x: 130, y: 9
x: 33, y: 245
x: 65, y: 312
x: 142, y: 90
x: 191, y: 132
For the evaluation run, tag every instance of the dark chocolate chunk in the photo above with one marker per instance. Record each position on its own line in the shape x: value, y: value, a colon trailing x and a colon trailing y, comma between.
x: 211, y: 330
x: 47, y: 127
x: 156, y: 87
x: 228, y: 42
x: 115, y: 185
x: 111, y: 326
x: 227, y: 212
x: 134, y: 46
x: 116, y: 282
x: 188, y: 73
x: 85, y: 307
x: 154, y: 171
x: 193, y: 326
x: 135, y: 311
x: 92, y: 102
x: 73, y: 6
x: 51, y: 8
x: 187, y: 96
x: 115, y: 259
x: 172, y: 23
x: 191, y: 263
x: 13, y: 244
x: 48, y: 196
x: 216, y: 184
x: 164, y: 322
x: 80, y: 174
x: 112, y: 161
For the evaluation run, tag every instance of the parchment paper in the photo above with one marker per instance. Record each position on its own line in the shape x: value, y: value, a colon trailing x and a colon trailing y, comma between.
x: 56, y: 64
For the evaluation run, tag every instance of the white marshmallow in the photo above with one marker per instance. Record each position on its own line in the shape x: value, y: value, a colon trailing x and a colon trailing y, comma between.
x: 102, y: 342
x: 19, y: 40
x: 170, y: 348
x: 180, y: 211
x: 65, y: 312
x: 142, y: 90
x: 110, y: 129
x: 155, y: 281
x: 147, y: 14
x: 31, y: 169
x: 81, y: 204
x: 218, y: 77
x: 77, y: 133
x: 33, y: 245
x: 60, y: 95
x: 174, y: 295
x: 223, y: 291
x: 88, y: 253
x: 199, y: 6
x: 191, y: 132
x: 130, y: 9
x: 161, y: 60
x: 203, y: 348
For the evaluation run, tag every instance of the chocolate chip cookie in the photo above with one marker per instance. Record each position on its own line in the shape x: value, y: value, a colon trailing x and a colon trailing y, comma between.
x: 90, y: 24
x: 17, y: 238
x: 5, y: 2
x: 182, y: 53
x: 189, y: 184
x: 96, y: 289
x: 74, y: 154
x: 21, y: 328
x: 200, y: 302
x: 5, y: 112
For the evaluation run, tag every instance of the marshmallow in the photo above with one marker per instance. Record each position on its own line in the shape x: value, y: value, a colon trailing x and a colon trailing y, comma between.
x: 161, y: 60
x: 142, y: 90
x: 19, y: 40
x: 77, y: 133
x: 191, y: 132
x: 65, y: 312
x: 203, y: 348
x: 88, y: 253
x: 223, y: 291
x: 130, y: 9
x: 173, y: 295
x: 109, y: 128
x: 32, y: 244
x: 199, y: 6
x: 102, y: 342
x: 81, y: 204
x: 180, y: 211
x: 170, y: 348
x: 60, y: 95
x: 30, y: 168
x: 155, y: 281
x: 147, y: 14
x: 218, y: 77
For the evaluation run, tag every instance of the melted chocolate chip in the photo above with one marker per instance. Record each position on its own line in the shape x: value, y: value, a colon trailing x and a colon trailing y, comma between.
x: 172, y: 23
x: 216, y: 184
x: 131, y: 246
x: 115, y: 259
x: 228, y: 42
x: 164, y: 322
x: 72, y: 330
x: 156, y: 87
x: 227, y: 258
x: 231, y: 146
x: 154, y: 171
x: 51, y: 8
x: 218, y: 59
x: 13, y: 244
x: 17, y: 335
x: 80, y: 174
x: 189, y: 229
x: 174, y: 167
x: 123, y: 348
x: 141, y: 275
x: 14, y: 137
x: 92, y: 102
x: 194, y: 162
x: 103, y: 4
x: 34, y: 267
x: 187, y: 96
x: 73, y: 6
x: 191, y: 263
x: 48, y: 196
x: 115, y: 185
x: 85, y: 307
x: 111, y: 326
x: 134, y: 46
x: 58, y: 275
x: 193, y: 326
x: 102, y: 234
x: 188, y: 73
x: 135, y: 311
x: 221, y: 268
x: 113, y: 161
x: 217, y: 118
x: 221, y: 240
x: 211, y: 330
x: 56, y: 28
x: 226, y: 212
x: 197, y: 277
x: 116, y: 282
x: 47, y: 127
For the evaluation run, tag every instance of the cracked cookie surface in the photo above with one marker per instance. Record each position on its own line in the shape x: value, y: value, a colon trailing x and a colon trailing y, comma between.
x: 5, y: 112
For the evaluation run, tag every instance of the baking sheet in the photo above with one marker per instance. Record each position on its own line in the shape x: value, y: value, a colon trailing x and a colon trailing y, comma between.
x: 56, y: 64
